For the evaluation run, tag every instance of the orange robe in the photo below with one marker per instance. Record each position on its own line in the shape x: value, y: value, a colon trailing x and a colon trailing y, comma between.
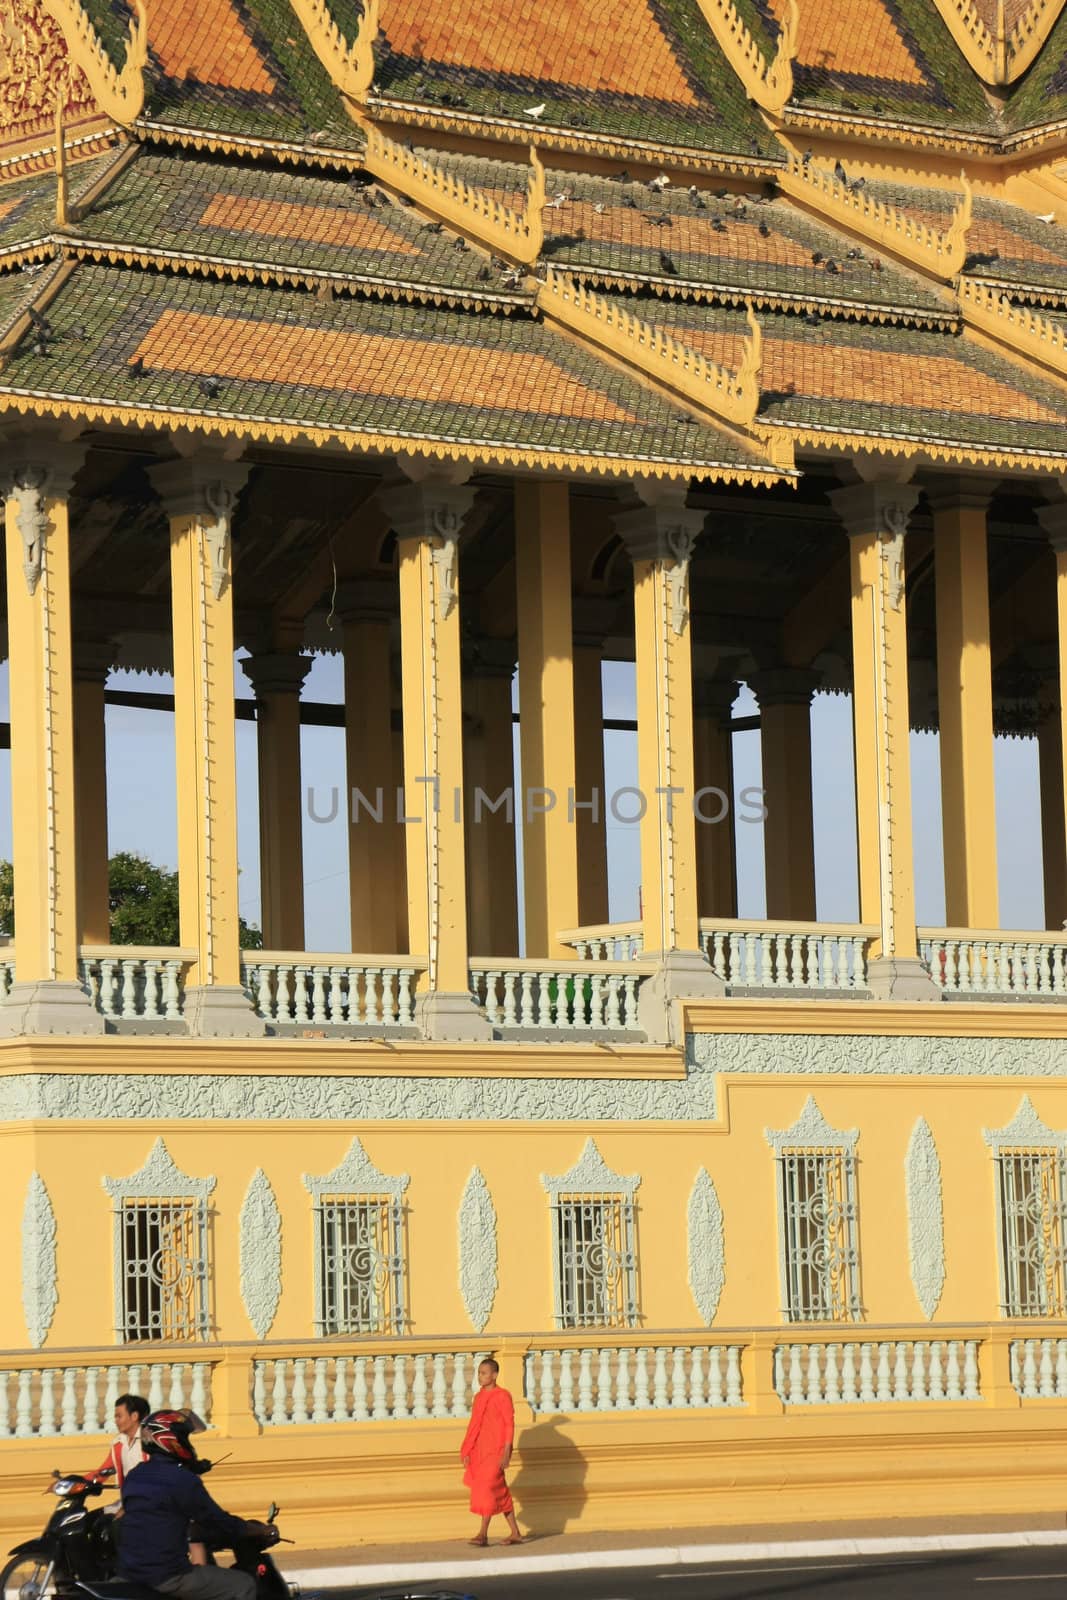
x: 491, y: 1430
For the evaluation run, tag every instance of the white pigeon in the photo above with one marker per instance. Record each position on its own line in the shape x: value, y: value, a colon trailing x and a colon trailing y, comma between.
x: 662, y: 182
x: 1048, y: 216
x: 558, y: 200
x: 536, y: 111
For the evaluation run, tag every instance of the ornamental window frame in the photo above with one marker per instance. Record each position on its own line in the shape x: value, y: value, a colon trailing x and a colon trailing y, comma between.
x: 811, y: 1140
x: 353, y: 1186
x: 1025, y: 1140
x: 160, y: 1187
x: 589, y: 1189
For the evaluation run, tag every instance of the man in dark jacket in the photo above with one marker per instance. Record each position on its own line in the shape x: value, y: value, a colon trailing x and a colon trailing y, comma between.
x: 161, y: 1500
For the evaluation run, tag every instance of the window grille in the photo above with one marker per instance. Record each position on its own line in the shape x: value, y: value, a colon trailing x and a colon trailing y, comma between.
x: 1030, y: 1185
x: 817, y: 1197
x: 359, y: 1240
x: 595, y: 1261
x: 163, y: 1268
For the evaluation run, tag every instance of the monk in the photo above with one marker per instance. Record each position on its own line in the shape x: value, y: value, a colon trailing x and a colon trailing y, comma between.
x: 486, y: 1452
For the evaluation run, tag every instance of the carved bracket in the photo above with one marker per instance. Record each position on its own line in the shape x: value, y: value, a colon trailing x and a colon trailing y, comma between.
x: 28, y: 492
x: 679, y: 541
x: 350, y: 66
x: 446, y: 525
x: 219, y: 500
x: 895, y: 523
x: 120, y: 95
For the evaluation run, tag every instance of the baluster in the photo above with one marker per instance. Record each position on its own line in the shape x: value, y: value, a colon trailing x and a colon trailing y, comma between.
x: 360, y: 1412
x: 279, y: 1400
x: 1047, y: 1386
x: 172, y: 1000
x: 128, y: 981
x: 566, y: 1381
x: 301, y: 996
x: 459, y: 1385
x: 660, y: 1396
x: 155, y: 1387
x: 1059, y: 961
x: 970, y: 1370
x: 405, y: 1002
x: 320, y: 1393
x: 859, y: 963
x: 867, y: 1393
x: 604, y: 1397
x: 529, y: 1380
x: 952, y: 1371
x: 1030, y: 955
x: 1061, y: 1367
x: 677, y: 1380
x: 259, y: 1392
x: 766, y: 959
x: 849, y: 1394
x: 622, y: 1379
x: 548, y: 1391
x: 418, y: 1389
x: 795, y: 1380
x: 696, y: 1377
x: 885, y: 1387
x: 493, y: 1009
x: 900, y: 1372
x: 46, y: 1424
x: 134, y: 1386
x: 5, y: 1409
x: 439, y: 1389
x: 24, y: 1405
x: 733, y: 1375
x: 796, y: 961
x: 200, y: 1402
x: 91, y: 1402
x: 525, y: 981
x: 832, y: 1382
x: 1030, y: 1369
x: 752, y: 945
x: 400, y: 1388
x: 334, y: 999
x: 814, y: 1381
x: 107, y: 988
x: 300, y: 1390
x: 176, y: 1398
x: 318, y: 996
x: 917, y: 1387
x: 780, y: 1381
x: 951, y: 978
x: 543, y: 1000
x: 613, y: 1018
x: 935, y: 1389
x: 641, y: 1394
x: 562, y: 1017
x: 630, y: 984
x: 374, y: 994
x: 585, y: 1380
x: 379, y: 1392
x: 150, y: 1006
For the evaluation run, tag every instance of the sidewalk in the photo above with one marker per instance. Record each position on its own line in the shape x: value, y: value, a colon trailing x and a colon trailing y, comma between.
x: 560, y: 1552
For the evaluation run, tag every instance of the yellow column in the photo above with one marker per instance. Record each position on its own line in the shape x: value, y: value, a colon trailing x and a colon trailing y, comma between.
x: 92, y: 660
x: 713, y: 770
x: 199, y: 497
x: 546, y: 714
x: 591, y: 825
x: 427, y: 517
x: 47, y: 997
x: 876, y: 517
x: 784, y: 695
x: 660, y: 536
x: 965, y: 708
x: 1053, y: 519
x: 489, y: 792
x: 367, y: 608
x: 277, y: 677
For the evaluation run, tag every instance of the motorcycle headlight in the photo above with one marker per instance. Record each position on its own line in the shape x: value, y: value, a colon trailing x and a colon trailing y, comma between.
x: 63, y: 1486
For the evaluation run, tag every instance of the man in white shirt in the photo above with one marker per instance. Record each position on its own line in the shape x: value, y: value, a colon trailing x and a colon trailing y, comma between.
x: 125, y: 1453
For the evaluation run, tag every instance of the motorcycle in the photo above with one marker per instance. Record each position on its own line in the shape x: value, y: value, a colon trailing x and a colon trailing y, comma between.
x: 77, y: 1545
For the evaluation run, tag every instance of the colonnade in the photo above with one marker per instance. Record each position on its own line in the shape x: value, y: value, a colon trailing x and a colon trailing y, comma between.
x: 435, y: 884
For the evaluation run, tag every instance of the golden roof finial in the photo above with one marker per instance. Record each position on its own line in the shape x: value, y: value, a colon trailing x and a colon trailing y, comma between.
x: 62, y: 215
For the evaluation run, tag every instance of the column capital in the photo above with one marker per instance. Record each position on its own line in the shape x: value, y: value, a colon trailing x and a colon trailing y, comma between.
x: 489, y: 658
x: 881, y: 508
x: 665, y: 531
x: 92, y: 659
x: 433, y: 508
x: 714, y: 698
x: 957, y: 492
x: 784, y: 686
x: 276, y: 672
x: 367, y: 599
x: 199, y: 486
x: 46, y: 467
x: 1053, y: 518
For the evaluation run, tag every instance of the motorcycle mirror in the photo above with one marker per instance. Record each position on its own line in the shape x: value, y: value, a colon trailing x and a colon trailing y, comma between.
x: 273, y: 1512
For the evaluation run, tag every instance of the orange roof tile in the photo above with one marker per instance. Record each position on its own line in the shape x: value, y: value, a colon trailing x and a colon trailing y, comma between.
x: 860, y: 37
x: 279, y: 219
x: 588, y: 44
x: 207, y: 41
x: 370, y: 363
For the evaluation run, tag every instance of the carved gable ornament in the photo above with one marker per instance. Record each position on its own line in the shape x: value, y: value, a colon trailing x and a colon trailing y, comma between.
x: 35, y: 67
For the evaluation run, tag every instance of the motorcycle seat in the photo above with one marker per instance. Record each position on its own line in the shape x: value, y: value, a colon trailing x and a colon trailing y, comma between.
x: 118, y: 1589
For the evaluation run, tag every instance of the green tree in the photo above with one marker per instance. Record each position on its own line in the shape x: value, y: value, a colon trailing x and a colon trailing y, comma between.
x: 143, y: 900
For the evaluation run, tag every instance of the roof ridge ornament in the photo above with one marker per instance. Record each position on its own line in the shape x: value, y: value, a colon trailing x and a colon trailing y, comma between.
x: 939, y: 254
x: 1000, y: 54
x: 1022, y: 330
x: 768, y: 82
x: 350, y: 66
x: 516, y: 234
x: 1028, y: 36
x: 120, y: 95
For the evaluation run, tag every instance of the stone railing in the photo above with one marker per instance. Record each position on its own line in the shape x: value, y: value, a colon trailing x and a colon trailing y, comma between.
x: 1039, y: 1368
x: 7, y: 968
x: 996, y: 965
x: 332, y: 991
x: 787, y: 955
x: 639, y: 1375
x: 559, y: 996
x: 605, y: 941
x: 136, y: 983
x: 372, y: 1385
x: 45, y: 1397
x: 859, y: 1372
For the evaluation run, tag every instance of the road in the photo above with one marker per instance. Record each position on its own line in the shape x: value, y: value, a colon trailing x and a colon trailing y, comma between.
x: 1015, y: 1574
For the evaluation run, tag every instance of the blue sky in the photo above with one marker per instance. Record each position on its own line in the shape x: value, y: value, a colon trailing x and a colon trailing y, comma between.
x: 142, y: 808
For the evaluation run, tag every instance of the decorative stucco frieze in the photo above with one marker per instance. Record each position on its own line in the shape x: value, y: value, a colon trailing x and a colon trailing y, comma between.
x: 158, y: 1177
x: 356, y: 1174
x: 926, y: 1217
x: 477, y: 1250
x: 893, y: 1055
x: 811, y: 1131
x: 40, y: 1293
x: 591, y: 1175
x: 261, y: 1254
x: 707, y: 1250
x: 1025, y: 1128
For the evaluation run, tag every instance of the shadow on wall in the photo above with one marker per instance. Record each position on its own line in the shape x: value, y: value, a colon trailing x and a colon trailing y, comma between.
x: 549, y: 1487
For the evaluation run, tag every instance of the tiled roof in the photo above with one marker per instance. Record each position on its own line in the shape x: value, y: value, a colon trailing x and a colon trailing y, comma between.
x: 176, y: 206
x: 1041, y: 96
x: 900, y: 383
x: 650, y: 69
x: 28, y: 205
x: 887, y: 57
x: 497, y: 387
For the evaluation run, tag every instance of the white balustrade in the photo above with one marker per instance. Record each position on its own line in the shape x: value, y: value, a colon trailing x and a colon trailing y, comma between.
x: 608, y: 941
x: 59, y: 1402
x: 859, y: 1372
x: 332, y: 991
x: 393, y: 1386
x: 1039, y: 1368
x: 7, y: 975
x: 995, y: 964
x: 795, y: 955
x: 571, y: 996
x: 639, y: 1377
x: 135, y: 984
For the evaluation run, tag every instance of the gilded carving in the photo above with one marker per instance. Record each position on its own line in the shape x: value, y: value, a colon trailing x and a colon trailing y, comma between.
x: 36, y: 67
